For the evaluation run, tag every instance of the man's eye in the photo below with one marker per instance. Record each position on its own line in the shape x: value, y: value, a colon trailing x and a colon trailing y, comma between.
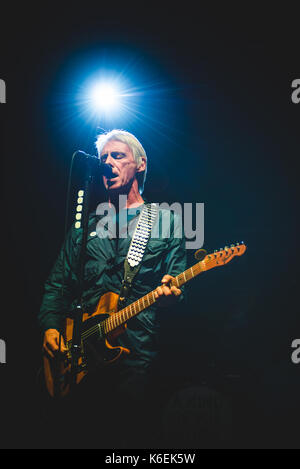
x: 116, y: 155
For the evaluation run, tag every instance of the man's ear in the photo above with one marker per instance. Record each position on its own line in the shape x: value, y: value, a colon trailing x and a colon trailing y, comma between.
x: 143, y: 165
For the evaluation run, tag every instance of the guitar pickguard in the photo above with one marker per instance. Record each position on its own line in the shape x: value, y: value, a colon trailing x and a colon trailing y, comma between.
x: 95, y: 352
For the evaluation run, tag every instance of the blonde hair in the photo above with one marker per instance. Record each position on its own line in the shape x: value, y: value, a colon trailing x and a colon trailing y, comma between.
x: 134, y: 145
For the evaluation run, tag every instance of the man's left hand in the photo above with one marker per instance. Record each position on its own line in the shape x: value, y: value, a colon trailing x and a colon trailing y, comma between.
x: 165, y: 293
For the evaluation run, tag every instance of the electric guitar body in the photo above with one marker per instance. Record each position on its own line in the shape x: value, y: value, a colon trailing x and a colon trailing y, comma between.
x: 97, y: 349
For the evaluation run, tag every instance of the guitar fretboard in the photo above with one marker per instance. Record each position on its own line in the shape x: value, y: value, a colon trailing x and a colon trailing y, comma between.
x: 122, y: 316
x: 119, y: 318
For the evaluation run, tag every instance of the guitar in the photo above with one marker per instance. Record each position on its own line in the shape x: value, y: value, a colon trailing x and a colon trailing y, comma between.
x: 100, y: 328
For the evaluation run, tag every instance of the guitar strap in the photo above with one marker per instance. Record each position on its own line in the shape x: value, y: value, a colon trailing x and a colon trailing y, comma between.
x: 139, y: 241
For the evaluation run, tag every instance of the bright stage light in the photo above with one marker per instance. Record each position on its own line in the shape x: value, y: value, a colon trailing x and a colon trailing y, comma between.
x: 108, y: 98
x: 104, y: 97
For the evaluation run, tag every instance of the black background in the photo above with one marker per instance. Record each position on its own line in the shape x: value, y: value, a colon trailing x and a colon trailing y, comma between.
x: 219, y: 127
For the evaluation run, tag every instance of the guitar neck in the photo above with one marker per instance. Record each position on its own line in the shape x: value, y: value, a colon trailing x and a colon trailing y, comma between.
x: 122, y: 316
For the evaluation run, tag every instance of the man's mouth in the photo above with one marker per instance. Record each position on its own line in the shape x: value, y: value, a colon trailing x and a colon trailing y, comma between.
x: 111, y: 180
x: 111, y: 176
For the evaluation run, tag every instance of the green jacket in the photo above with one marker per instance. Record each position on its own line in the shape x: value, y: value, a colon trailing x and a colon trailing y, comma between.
x: 104, y: 271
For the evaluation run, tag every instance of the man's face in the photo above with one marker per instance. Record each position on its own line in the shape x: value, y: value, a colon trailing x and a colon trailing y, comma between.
x: 119, y: 156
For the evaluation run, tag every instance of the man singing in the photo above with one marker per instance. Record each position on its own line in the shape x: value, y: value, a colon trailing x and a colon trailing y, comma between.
x: 126, y: 386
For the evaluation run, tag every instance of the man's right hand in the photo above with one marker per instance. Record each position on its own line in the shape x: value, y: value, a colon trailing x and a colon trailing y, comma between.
x: 52, y: 342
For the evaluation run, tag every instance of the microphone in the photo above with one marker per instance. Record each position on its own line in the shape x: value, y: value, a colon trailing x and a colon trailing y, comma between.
x: 105, y: 169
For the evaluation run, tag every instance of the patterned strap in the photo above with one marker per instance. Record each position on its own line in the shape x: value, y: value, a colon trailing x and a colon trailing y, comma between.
x: 137, y: 249
x: 141, y: 235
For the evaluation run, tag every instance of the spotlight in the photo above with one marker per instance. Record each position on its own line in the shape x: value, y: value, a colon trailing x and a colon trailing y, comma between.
x: 107, y: 98
x: 104, y: 97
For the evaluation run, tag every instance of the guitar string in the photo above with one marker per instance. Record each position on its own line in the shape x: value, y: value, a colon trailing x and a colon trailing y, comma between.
x: 111, y: 319
x: 193, y: 269
x: 95, y: 328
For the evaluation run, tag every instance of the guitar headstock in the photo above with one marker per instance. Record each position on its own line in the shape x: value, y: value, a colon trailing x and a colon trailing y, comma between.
x: 225, y: 255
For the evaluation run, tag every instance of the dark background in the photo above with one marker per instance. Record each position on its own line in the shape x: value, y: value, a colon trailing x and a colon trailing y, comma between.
x: 219, y: 127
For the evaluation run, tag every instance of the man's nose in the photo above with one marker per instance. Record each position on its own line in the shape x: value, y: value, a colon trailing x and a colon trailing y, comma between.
x: 109, y: 160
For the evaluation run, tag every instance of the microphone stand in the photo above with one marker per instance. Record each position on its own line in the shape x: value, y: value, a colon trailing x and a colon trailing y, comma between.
x: 76, y: 347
